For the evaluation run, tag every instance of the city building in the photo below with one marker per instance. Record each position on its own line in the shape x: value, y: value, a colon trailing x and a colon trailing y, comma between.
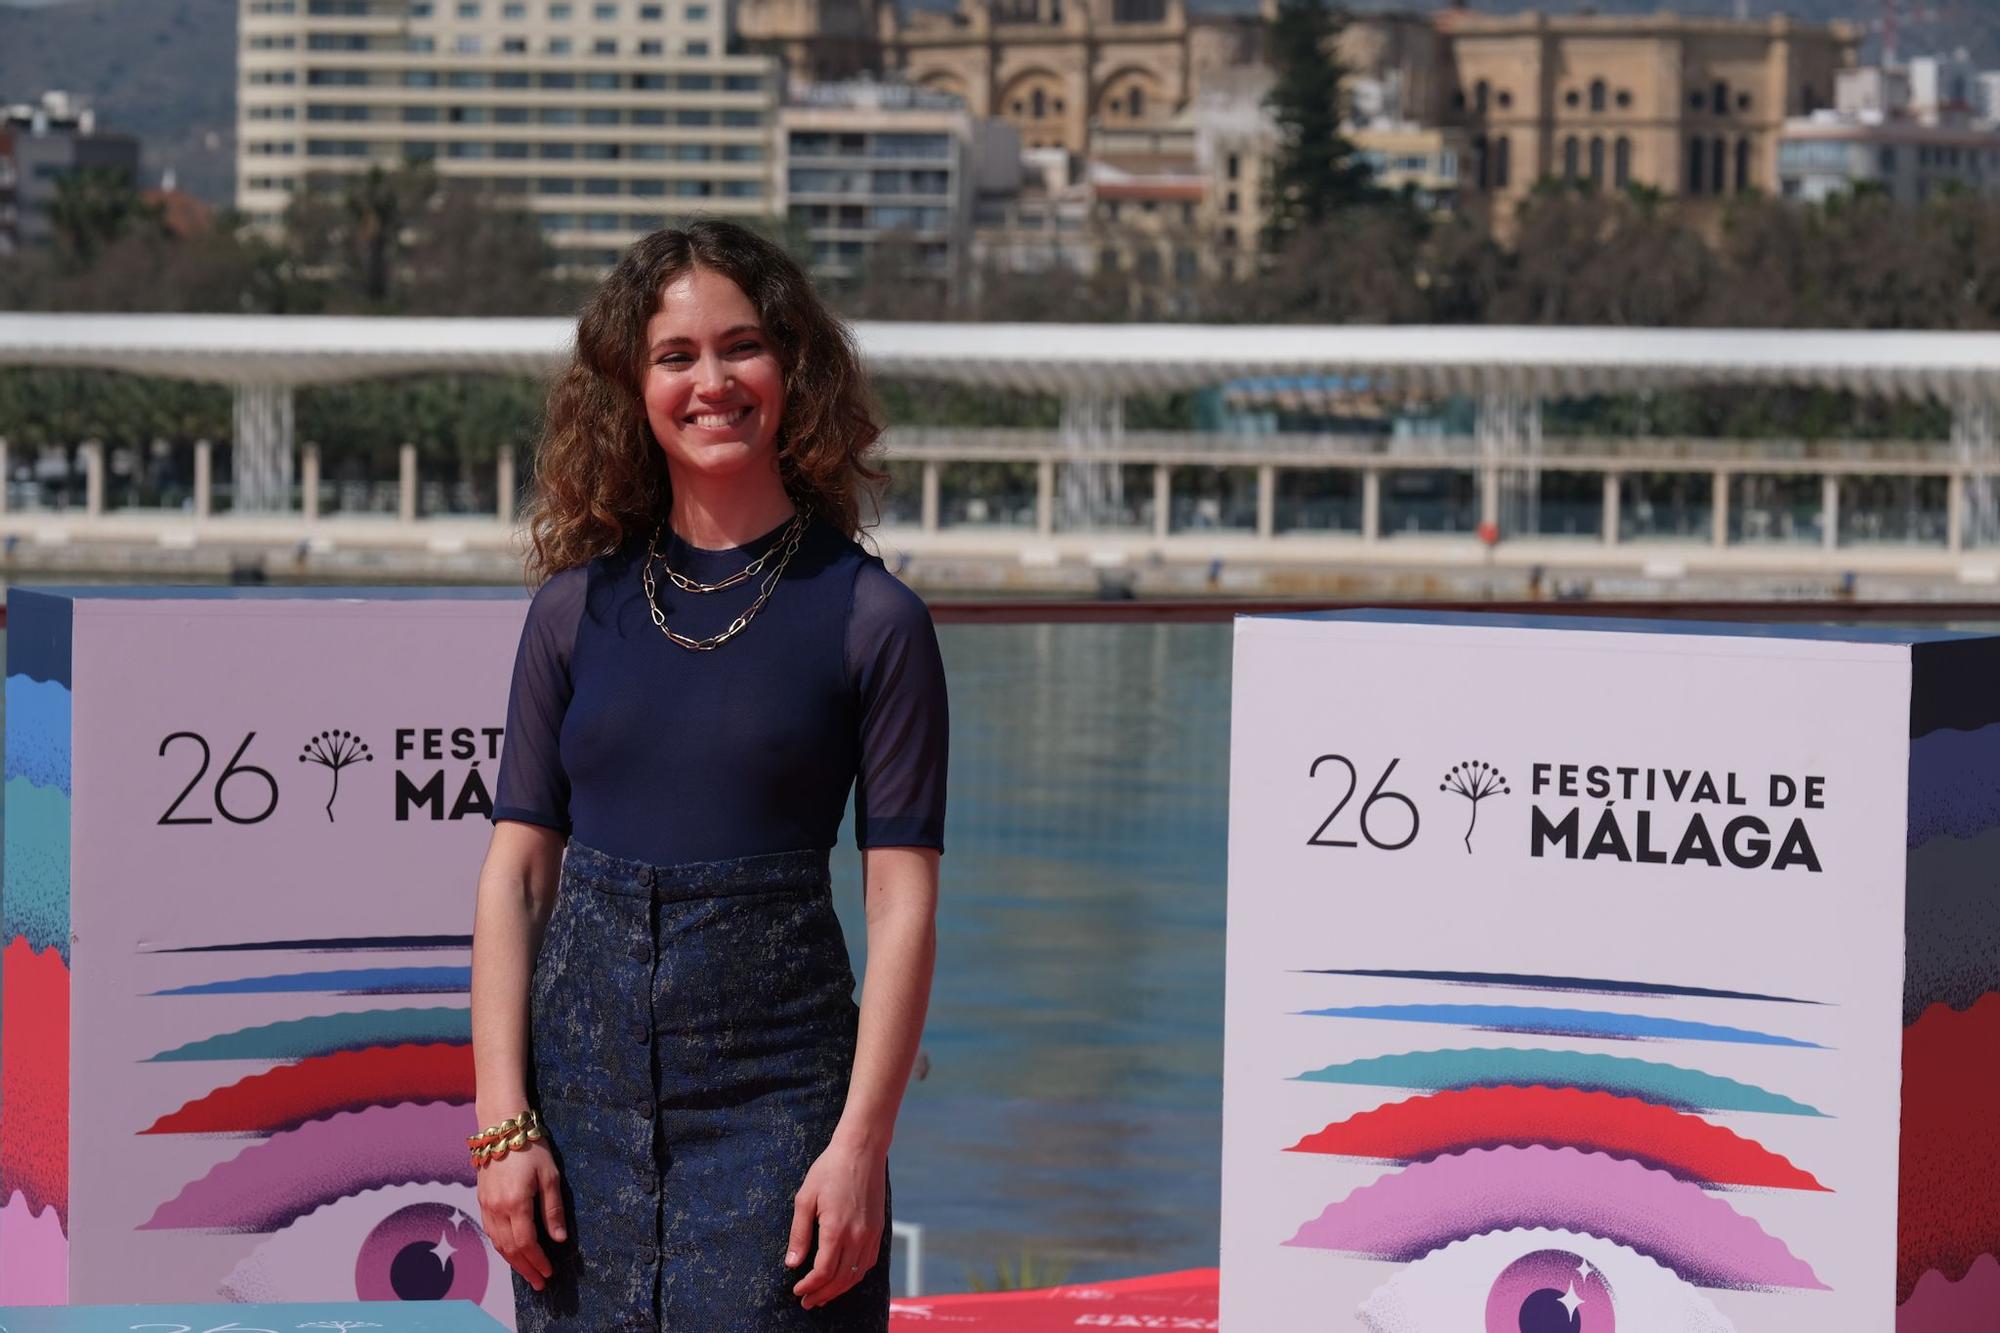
x: 1910, y: 162
x: 1036, y: 220
x: 1051, y: 68
x: 870, y: 164
x: 602, y: 117
x: 1693, y: 107
x: 42, y: 142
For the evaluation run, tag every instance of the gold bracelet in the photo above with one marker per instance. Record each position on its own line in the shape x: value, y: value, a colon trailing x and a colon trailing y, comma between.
x: 509, y: 1136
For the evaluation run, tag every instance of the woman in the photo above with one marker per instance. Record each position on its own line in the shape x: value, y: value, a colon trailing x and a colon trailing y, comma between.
x: 710, y: 666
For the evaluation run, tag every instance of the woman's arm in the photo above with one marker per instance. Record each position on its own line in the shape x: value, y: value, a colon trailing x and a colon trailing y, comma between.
x: 843, y: 1192
x: 517, y: 891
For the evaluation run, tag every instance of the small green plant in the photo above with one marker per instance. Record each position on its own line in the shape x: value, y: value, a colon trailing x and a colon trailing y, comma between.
x: 1033, y: 1273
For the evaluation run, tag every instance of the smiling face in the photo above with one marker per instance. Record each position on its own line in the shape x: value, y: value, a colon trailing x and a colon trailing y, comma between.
x: 713, y: 386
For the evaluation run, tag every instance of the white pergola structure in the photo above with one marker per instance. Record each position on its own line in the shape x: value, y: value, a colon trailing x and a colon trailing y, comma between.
x: 1508, y: 372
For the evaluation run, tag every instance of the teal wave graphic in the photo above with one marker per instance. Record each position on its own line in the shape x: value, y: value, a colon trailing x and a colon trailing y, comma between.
x: 300, y: 1038
x: 38, y: 732
x: 1667, y: 1085
x: 35, y: 903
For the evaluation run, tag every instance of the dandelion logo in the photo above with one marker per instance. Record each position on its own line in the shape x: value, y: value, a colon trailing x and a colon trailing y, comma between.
x: 1475, y: 780
x: 335, y: 750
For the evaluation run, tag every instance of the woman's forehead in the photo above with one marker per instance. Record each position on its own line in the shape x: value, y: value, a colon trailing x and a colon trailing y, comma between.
x: 701, y: 299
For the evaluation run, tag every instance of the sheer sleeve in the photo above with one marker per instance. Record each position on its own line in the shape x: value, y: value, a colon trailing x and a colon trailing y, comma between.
x: 892, y: 658
x: 533, y: 787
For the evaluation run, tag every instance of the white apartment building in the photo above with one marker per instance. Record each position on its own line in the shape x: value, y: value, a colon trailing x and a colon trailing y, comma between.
x: 866, y: 161
x: 604, y: 118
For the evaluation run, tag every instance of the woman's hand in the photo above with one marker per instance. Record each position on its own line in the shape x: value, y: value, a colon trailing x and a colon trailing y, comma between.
x: 844, y: 1196
x: 508, y: 1189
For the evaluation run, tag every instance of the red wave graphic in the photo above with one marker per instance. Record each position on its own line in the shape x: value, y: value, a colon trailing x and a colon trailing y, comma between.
x: 288, y: 1096
x: 1948, y: 1197
x: 1447, y: 1122
x: 34, y: 1080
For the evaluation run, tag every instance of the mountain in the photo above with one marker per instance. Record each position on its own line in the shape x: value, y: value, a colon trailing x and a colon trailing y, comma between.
x: 163, y: 70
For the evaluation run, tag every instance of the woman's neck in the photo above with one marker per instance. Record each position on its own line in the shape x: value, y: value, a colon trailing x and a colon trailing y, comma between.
x: 728, y: 512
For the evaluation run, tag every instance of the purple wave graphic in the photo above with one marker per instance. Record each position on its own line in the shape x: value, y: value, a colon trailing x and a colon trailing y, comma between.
x: 1410, y: 1213
x: 268, y: 1184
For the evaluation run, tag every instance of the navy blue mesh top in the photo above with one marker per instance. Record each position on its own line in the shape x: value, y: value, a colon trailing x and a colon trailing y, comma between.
x: 646, y: 750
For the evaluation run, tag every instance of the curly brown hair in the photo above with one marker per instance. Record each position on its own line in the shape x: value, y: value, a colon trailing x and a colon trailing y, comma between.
x: 600, y: 476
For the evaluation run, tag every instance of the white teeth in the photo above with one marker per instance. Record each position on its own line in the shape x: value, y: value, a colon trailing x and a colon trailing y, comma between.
x: 716, y: 420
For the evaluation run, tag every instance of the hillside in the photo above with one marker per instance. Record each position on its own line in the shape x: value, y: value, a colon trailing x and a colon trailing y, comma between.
x: 161, y: 69
x: 164, y: 69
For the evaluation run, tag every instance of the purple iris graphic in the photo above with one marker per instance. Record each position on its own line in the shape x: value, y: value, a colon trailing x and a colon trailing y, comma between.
x: 1550, y: 1291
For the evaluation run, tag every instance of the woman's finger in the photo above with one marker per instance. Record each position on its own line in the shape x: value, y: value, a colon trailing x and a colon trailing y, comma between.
x: 803, y: 1208
x: 549, y: 1185
x: 812, y: 1288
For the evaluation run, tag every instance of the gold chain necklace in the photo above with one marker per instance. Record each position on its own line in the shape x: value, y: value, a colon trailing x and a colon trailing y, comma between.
x: 790, y: 546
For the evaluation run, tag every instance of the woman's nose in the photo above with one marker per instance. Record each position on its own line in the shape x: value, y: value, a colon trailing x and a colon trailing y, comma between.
x: 711, y: 378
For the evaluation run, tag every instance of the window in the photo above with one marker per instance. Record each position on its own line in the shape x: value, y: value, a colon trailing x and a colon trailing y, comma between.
x: 1230, y: 202
x: 1599, y: 95
x: 600, y: 187
x: 561, y: 13
x: 648, y: 116
x: 555, y: 185
x: 1038, y: 104
x: 1624, y: 99
x: 1742, y: 164
x: 419, y: 115
x: 420, y: 9
x: 1482, y: 92
x: 601, y: 82
x: 1482, y: 166
x: 1233, y: 166
x: 558, y: 80
x: 652, y: 46
x: 557, y: 115
x: 466, y: 45
x: 1572, y: 99
x: 1720, y: 102
x: 696, y: 48
x: 740, y: 120
x: 556, y: 151
x: 1572, y: 157
x: 742, y: 189
x: 604, y: 13
x: 604, y: 46
x: 649, y: 187
x: 468, y: 9
x: 1695, y: 158
x: 514, y: 9
x: 1596, y: 162
x: 1136, y: 101
x: 466, y: 150
x: 743, y: 152
x: 560, y: 46
x: 601, y: 152
x: 697, y: 83
x: 510, y: 115
x: 694, y: 116
x: 465, y: 78
x: 1621, y: 163
x: 412, y: 78
x: 697, y: 13
x: 652, y: 13
x: 1743, y: 101
x: 1888, y: 160
x: 558, y: 221
x: 1696, y: 101
x: 692, y: 189
x: 600, y: 115
x: 692, y: 152
x: 1505, y: 99
x: 1718, y: 175
x: 510, y: 79
x: 514, y: 46
x: 516, y: 150
x: 1503, y: 162
x: 741, y: 83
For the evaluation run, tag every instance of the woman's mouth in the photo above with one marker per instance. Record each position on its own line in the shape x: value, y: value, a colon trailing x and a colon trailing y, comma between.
x: 718, y: 420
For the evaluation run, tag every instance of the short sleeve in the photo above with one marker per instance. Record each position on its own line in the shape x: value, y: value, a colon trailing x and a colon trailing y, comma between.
x: 898, y: 675
x: 533, y: 786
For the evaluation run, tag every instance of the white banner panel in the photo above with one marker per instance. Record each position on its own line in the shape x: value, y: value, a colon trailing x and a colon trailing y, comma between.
x: 1565, y: 976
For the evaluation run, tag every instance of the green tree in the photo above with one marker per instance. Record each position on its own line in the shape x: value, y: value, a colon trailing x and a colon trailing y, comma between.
x: 93, y: 207
x: 1315, y: 173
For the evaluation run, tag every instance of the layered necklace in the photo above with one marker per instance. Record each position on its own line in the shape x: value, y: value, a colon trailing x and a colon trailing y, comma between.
x: 784, y: 548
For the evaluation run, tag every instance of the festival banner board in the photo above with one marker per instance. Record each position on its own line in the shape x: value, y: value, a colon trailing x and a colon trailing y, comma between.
x: 243, y: 832
x: 1589, y: 975
x: 378, y: 1316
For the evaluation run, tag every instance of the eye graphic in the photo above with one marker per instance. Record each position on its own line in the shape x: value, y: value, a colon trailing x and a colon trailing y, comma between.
x: 1682, y: 1144
x: 1550, y: 1022
x: 1409, y: 1213
x: 1538, y: 1281
x: 401, y: 1243
x: 1491, y: 1066
x: 273, y: 1181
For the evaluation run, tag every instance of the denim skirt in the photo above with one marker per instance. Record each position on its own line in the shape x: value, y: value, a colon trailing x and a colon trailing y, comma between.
x: 692, y: 1033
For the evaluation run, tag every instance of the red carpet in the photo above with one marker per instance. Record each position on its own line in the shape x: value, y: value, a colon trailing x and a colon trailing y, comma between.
x: 1185, y: 1300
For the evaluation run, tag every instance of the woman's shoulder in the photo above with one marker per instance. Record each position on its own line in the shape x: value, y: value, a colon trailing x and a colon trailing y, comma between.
x: 883, y: 601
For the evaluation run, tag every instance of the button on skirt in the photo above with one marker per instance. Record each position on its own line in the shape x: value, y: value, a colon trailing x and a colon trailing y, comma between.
x: 692, y: 1033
